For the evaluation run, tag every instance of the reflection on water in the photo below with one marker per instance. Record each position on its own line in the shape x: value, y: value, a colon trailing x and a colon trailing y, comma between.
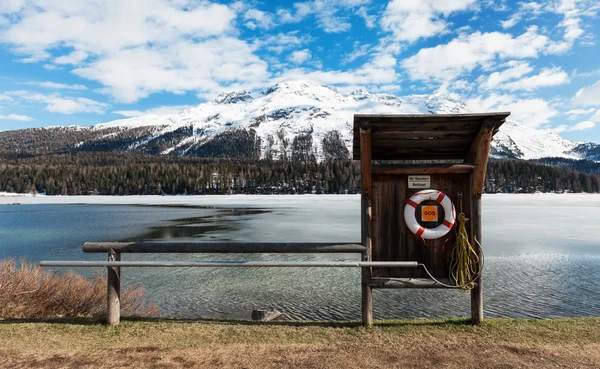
x: 185, y: 229
x: 549, y: 275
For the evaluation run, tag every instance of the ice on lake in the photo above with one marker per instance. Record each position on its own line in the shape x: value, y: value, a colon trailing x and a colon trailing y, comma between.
x: 542, y: 253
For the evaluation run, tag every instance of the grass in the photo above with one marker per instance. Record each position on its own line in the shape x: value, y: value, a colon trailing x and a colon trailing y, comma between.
x: 52, y: 320
x: 28, y: 291
x: 498, y: 343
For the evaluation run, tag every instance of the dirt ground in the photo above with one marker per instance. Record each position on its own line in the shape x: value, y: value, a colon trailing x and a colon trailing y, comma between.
x: 499, y: 343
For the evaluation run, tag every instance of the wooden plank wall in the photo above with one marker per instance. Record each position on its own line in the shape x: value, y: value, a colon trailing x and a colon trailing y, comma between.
x: 392, y: 241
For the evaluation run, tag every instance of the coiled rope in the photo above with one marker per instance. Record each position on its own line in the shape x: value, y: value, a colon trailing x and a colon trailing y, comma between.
x: 465, y: 286
x: 464, y: 264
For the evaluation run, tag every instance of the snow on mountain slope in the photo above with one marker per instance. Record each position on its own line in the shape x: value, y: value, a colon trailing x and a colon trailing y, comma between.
x: 279, y: 115
x: 527, y: 143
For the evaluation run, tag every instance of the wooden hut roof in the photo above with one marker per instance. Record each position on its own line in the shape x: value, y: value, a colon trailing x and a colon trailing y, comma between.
x: 422, y: 137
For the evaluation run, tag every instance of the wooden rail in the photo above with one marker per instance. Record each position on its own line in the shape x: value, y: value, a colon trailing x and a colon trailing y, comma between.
x: 222, y: 247
x: 229, y: 264
x: 115, y: 249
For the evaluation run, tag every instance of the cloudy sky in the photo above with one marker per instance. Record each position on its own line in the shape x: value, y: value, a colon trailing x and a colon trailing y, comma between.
x: 91, y: 61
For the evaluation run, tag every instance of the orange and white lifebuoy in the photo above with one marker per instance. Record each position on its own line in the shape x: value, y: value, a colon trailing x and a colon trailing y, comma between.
x: 429, y: 233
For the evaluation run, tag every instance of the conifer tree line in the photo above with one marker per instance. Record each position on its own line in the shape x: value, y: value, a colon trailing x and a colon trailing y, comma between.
x: 137, y: 174
x: 87, y: 173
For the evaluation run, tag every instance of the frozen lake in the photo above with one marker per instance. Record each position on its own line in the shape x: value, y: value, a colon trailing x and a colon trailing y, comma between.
x: 542, y: 253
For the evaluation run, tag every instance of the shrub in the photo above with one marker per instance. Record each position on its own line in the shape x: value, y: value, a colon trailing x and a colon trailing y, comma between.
x: 28, y: 291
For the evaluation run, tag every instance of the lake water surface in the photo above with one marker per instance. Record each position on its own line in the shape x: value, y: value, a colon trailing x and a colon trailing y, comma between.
x: 542, y: 254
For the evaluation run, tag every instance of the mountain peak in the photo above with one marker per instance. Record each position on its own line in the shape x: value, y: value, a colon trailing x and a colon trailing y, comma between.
x: 359, y: 91
x: 300, y: 114
x: 233, y: 97
x: 300, y: 87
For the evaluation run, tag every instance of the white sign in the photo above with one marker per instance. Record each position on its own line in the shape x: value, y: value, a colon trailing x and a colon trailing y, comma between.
x: 419, y: 182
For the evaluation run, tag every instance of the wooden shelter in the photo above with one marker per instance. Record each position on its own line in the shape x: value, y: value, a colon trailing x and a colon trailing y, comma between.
x: 450, y: 152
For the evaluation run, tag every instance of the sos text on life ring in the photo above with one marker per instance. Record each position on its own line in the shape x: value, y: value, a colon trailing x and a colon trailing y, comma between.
x: 429, y: 233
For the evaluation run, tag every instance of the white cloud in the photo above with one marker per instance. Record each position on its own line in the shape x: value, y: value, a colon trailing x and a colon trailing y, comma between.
x: 558, y: 129
x: 410, y: 20
x: 583, y: 126
x: 159, y: 110
x: 572, y: 11
x: 64, y: 105
x: 300, y: 56
x: 591, y: 73
x: 589, y: 95
x: 547, y: 77
x: 467, y: 52
x: 516, y: 69
x: 574, y: 114
x: 580, y: 111
x: 531, y: 112
x: 357, y: 52
x: 21, y: 118
x: 571, y: 19
x: 331, y: 15
x: 134, y: 51
x: 283, y: 41
x: 257, y: 18
x: 369, y: 19
x: 51, y: 67
x: 111, y: 25
x: 380, y: 71
x: 526, y: 10
x: 74, y: 57
x: 205, y: 67
x: 58, y: 86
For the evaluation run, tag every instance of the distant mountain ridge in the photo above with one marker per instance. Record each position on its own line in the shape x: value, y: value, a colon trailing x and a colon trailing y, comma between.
x: 296, y: 120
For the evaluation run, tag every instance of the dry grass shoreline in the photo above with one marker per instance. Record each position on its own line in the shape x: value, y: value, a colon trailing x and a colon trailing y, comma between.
x: 28, y: 291
x: 499, y: 343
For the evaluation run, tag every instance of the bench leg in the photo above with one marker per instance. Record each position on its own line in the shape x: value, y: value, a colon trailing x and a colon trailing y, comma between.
x: 113, y: 311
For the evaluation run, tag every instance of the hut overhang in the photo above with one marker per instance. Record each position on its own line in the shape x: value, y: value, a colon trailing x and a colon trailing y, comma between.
x: 423, y: 137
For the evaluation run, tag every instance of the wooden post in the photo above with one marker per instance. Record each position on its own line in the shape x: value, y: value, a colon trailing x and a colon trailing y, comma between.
x: 366, y: 224
x: 477, y: 291
x: 367, y: 291
x: 481, y: 151
x: 113, y: 293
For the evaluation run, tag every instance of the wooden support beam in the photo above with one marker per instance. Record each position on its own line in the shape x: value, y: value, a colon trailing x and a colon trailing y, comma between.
x: 477, y: 291
x: 481, y: 151
x: 113, y: 293
x: 366, y: 224
x: 222, y: 247
x: 479, y: 154
x: 416, y: 170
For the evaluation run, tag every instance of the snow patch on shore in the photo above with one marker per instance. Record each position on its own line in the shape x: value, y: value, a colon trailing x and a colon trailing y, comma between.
x: 283, y: 201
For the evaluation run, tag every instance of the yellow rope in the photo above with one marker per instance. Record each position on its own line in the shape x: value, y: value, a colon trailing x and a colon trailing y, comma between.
x: 464, y: 265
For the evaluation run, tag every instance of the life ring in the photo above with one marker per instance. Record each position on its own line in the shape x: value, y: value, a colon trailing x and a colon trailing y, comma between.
x: 429, y: 233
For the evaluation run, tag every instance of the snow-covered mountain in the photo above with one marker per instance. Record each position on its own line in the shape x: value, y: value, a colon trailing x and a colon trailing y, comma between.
x: 518, y: 141
x: 299, y: 120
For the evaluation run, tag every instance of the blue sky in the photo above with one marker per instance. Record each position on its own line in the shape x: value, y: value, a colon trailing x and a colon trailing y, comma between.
x: 91, y: 61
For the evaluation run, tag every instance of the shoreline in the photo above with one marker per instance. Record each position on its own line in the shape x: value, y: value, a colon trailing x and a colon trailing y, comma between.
x: 250, y: 200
